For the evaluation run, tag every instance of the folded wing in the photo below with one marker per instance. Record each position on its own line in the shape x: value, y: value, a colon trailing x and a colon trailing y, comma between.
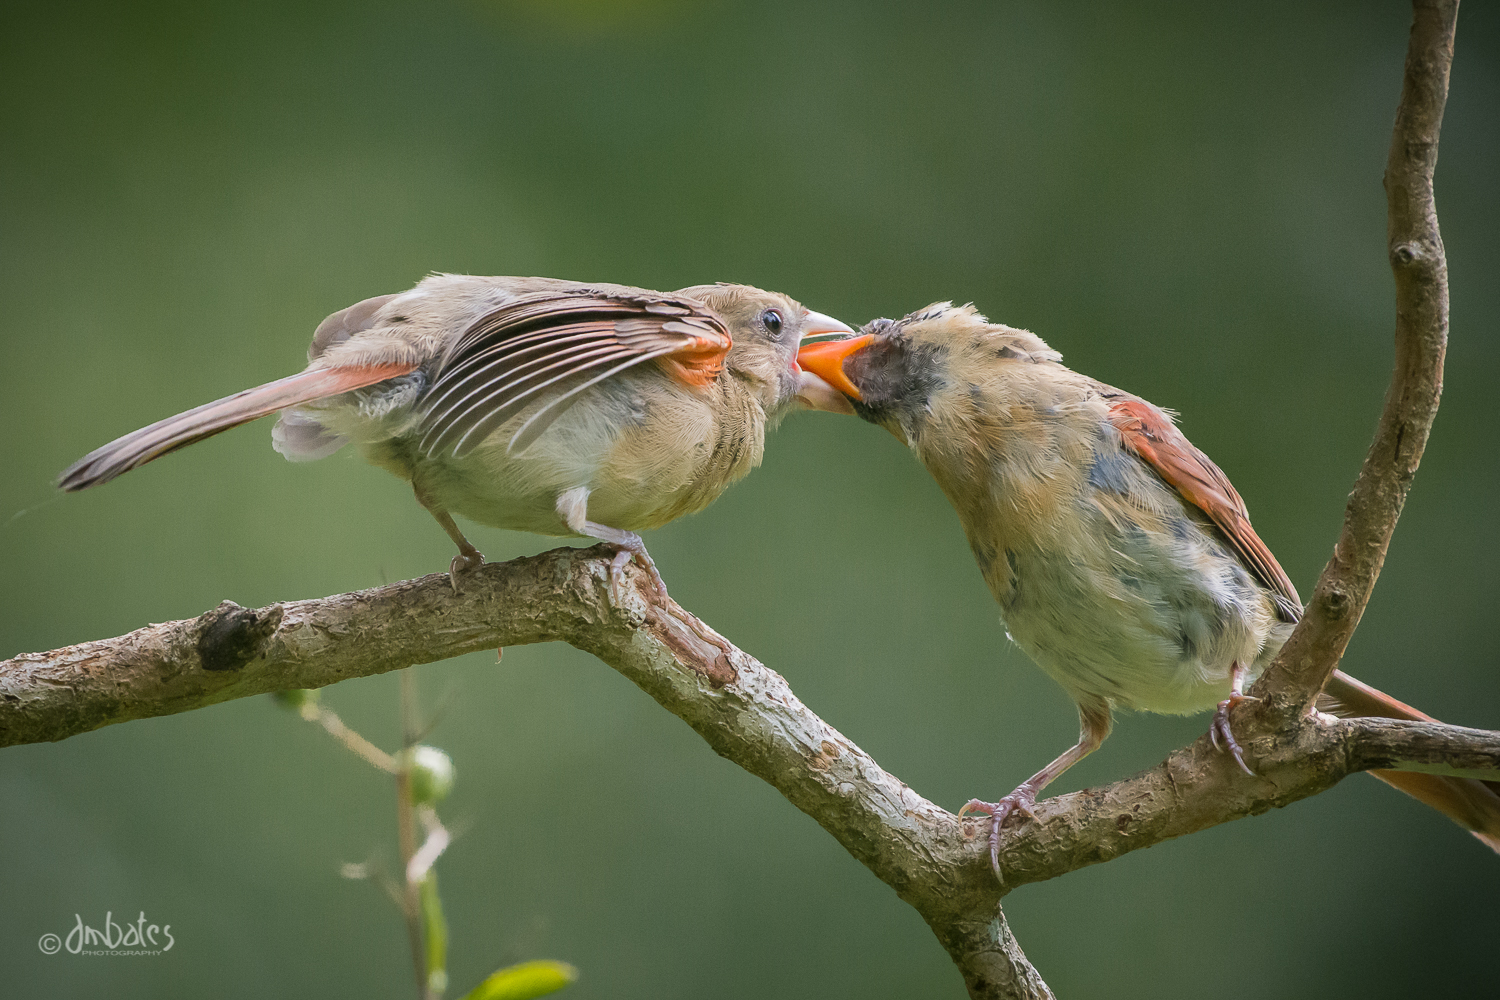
x: 1150, y: 433
x: 1474, y: 805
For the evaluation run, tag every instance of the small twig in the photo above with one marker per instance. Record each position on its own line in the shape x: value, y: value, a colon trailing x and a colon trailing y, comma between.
x: 432, y: 848
x: 1431, y: 748
x: 329, y: 720
x: 406, y: 831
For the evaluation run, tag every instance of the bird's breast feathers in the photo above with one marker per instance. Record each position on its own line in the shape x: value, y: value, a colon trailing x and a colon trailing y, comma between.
x: 1070, y: 526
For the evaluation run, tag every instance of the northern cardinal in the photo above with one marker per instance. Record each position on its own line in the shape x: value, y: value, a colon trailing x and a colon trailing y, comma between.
x: 534, y: 404
x: 1121, y: 557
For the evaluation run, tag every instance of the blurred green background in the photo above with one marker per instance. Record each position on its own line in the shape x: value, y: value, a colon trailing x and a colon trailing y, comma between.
x: 1186, y: 203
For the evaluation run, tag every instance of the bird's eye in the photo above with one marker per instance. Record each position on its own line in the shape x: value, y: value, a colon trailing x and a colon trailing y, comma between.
x: 772, y: 321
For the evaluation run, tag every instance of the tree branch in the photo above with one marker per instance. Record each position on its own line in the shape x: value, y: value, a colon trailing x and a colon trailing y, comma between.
x: 1415, y: 247
x: 744, y: 710
x: 1433, y: 748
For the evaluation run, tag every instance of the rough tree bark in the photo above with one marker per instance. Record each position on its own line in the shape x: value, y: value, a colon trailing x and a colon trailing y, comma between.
x: 747, y: 713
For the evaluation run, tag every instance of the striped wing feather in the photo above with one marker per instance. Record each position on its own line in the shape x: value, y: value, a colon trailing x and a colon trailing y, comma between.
x: 1150, y: 433
x: 550, y: 348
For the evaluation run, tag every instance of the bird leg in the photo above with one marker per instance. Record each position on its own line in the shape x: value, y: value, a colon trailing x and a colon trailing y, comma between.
x: 468, y: 557
x: 1219, y: 731
x: 572, y: 507
x: 1094, y: 723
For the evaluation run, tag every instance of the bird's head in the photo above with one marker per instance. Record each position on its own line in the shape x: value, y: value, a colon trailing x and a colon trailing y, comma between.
x: 767, y: 328
x: 928, y: 374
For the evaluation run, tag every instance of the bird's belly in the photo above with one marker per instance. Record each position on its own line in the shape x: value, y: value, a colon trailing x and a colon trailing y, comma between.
x: 640, y: 469
x: 1152, y: 630
x: 497, y: 494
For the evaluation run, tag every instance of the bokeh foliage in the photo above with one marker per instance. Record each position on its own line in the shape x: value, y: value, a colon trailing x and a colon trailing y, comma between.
x: 1182, y: 198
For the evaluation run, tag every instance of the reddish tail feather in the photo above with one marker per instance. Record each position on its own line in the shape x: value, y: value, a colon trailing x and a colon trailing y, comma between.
x: 1473, y: 805
x: 139, y: 447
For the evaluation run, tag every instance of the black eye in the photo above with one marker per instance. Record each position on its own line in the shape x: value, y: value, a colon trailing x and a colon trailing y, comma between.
x: 772, y: 321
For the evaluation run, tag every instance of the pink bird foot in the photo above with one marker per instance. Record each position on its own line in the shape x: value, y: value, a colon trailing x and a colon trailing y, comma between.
x: 1223, y: 736
x: 1019, y: 801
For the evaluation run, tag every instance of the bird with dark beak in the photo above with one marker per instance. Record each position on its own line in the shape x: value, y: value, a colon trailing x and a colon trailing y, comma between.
x: 534, y: 404
x: 1122, y: 559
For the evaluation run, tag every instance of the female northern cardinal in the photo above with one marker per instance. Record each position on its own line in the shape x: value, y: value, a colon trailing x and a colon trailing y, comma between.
x: 535, y: 404
x: 1122, y: 558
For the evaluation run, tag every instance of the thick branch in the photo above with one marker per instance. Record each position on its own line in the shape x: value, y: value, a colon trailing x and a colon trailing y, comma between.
x: 744, y: 710
x: 1194, y: 788
x: 1415, y: 248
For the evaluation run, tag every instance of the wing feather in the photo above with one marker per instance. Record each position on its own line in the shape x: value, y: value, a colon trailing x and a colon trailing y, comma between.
x: 499, y: 369
x: 484, y: 416
x: 552, y: 347
x: 141, y: 446
x: 1150, y: 433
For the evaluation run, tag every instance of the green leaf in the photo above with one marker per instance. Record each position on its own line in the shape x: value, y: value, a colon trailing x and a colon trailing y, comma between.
x: 524, y: 981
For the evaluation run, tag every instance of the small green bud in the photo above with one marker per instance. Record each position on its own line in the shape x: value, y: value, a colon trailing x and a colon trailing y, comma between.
x: 295, y: 698
x: 431, y: 775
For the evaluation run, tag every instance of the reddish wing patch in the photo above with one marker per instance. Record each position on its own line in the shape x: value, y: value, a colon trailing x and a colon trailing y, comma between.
x: 1150, y: 433
x: 698, y: 362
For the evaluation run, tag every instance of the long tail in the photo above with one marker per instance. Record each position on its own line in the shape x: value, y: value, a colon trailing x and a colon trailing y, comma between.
x: 139, y: 447
x: 1473, y: 805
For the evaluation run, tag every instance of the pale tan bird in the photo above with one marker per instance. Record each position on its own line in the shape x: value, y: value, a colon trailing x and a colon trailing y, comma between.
x: 1122, y: 559
x: 534, y: 404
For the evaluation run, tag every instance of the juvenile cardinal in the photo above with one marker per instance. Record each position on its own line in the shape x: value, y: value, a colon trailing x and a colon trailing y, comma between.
x: 1122, y: 558
x: 535, y: 404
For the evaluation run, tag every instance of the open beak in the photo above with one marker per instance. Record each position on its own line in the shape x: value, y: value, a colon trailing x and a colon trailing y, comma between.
x: 812, y: 391
x: 816, y: 324
x: 825, y: 386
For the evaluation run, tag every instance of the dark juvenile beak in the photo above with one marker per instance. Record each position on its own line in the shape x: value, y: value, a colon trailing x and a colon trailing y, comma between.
x: 824, y: 384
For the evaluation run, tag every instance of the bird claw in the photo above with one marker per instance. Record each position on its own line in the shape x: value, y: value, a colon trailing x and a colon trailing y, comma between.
x: 466, y: 561
x: 1222, y: 736
x: 1019, y: 801
x: 625, y: 555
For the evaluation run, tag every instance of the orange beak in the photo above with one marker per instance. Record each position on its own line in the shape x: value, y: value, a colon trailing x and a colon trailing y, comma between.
x: 825, y: 359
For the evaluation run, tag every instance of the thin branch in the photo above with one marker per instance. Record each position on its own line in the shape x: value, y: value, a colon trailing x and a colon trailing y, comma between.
x: 1415, y: 248
x: 745, y: 711
x: 1433, y: 748
x: 329, y: 720
x: 406, y: 836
